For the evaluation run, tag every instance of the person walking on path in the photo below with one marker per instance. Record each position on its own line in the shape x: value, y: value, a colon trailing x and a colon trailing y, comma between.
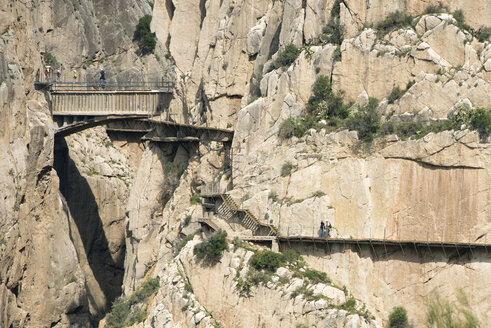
x: 328, y: 228
x: 75, y: 76
x: 58, y: 75
x: 321, y: 230
x: 103, y: 78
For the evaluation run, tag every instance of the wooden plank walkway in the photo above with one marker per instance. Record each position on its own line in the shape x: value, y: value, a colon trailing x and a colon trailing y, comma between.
x: 382, y: 242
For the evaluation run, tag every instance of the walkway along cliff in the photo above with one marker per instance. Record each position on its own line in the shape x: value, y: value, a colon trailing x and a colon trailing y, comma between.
x: 369, y: 114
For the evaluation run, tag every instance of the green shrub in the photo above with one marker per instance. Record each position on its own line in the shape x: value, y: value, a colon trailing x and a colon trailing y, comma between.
x: 336, y: 55
x: 395, y: 94
x: 50, y: 60
x: 119, y: 312
x: 349, y: 305
x: 293, y: 258
x: 436, y: 9
x: 459, y: 17
x: 273, y: 196
x: 287, y: 128
x: 195, y: 199
x: 287, y: 56
x: 323, y: 103
x: 257, y: 277
x: 267, y: 260
x: 398, y: 318
x: 212, y: 250
x: 441, y: 313
x: 137, y: 315
x: 481, y: 121
x: 188, y: 287
x: 286, y: 169
x: 366, y: 121
x: 484, y: 34
x: 144, y: 291
x: 184, y: 241
x: 332, y: 33
x: 187, y: 220
x: 145, y: 39
x: 393, y: 21
x: 316, y: 276
x: 404, y: 129
x: 172, y: 169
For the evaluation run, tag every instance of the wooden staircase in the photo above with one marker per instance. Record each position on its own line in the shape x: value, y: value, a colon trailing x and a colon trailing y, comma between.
x: 229, y: 208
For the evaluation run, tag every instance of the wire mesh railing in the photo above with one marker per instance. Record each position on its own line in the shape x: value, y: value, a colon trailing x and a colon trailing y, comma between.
x: 214, y: 188
x: 418, y: 236
x: 165, y: 86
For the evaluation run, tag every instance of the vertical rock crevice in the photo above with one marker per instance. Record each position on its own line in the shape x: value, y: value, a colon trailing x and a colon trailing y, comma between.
x: 83, y: 207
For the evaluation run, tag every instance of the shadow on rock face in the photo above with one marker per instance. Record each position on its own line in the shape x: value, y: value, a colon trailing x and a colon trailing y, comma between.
x: 107, y: 271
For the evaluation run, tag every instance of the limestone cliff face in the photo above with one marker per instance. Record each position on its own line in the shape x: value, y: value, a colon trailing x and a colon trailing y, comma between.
x: 59, y: 264
x: 433, y: 188
x: 74, y: 239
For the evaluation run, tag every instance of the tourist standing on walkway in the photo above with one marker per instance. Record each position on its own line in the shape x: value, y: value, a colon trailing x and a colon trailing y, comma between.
x: 75, y: 76
x: 47, y: 73
x: 103, y: 78
x: 321, y: 230
x: 58, y: 75
x: 328, y: 228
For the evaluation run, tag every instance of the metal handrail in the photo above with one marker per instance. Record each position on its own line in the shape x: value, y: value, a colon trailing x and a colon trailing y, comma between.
x: 167, y: 86
x: 213, y: 188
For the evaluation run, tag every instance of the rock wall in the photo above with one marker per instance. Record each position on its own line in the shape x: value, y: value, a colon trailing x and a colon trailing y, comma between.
x: 407, y: 277
x: 196, y: 294
x: 54, y: 272
x: 51, y: 261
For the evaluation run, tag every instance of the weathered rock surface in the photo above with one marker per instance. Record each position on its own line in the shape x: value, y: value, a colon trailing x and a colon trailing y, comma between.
x: 218, y: 53
x: 214, y: 291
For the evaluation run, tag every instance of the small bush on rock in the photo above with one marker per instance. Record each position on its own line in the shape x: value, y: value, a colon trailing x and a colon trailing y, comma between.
x: 395, y: 94
x: 119, y: 312
x: 195, y: 199
x: 393, y: 21
x: 316, y: 276
x: 366, y: 121
x: 287, y: 128
x: 349, y: 305
x: 459, y: 17
x: 481, y: 121
x: 398, y: 318
x: 267, y: 260
x: 324, y: 103
x: 436, y: 9
x: 287, y: 56
x: 145, y: 39
x: 125, y: 313
x: 441, y: 313
x: 212, y: 250
x: 286, y: 169
x: 484, y: 34
x: 144, y: 291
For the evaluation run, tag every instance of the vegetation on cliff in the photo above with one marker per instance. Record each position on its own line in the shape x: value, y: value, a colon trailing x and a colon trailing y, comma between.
x: 145, y: 39
x: 127, y: 311
x: 212, y: 250
x: 326, y: 110
x: 441, y: 313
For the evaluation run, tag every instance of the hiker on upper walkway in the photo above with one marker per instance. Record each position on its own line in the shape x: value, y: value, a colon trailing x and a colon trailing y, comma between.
x: 321, y: 230
x: 103, y: 78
